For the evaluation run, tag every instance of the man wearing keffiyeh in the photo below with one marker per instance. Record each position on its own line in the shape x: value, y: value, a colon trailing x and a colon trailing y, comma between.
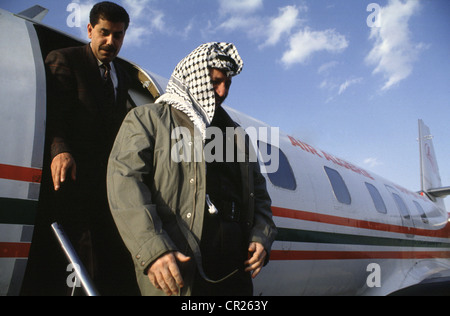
x: 197, y: 227
x: 190, y: 89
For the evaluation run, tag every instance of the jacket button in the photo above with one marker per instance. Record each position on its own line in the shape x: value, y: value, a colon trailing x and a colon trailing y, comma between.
x: 191, y: 181
x: 138, y: 257
x: 189, y: 215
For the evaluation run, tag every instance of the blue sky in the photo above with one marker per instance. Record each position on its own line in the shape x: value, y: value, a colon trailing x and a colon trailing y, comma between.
x: 314, y: 68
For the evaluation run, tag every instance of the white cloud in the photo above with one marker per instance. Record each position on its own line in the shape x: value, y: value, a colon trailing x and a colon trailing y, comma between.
x: 187, y: 30
x: 372, y: 162
x: 347, y: 84
x: 282, y: 24
x: 307, y: 42
x: 336, y: 88
x: 240, y: 7
x: 246, y: 23
x: 266, y: 30
x: 157, y: 21
x: 284, y: 30
x: 394, y: 52
x: 141, y: 26
x: 325, y: 68
x: 328, y: 84
x: 136, y: 8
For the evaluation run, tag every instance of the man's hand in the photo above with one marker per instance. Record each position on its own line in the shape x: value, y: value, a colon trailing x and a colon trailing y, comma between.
x: 165, y: 274
x: 256, y: 261
x: 61, y: 165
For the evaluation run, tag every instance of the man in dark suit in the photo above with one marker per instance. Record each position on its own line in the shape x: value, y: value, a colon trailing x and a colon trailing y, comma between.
x: 87, y: 94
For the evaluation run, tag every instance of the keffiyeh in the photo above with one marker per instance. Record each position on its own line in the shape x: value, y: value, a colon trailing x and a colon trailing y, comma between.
x: 190, y: 89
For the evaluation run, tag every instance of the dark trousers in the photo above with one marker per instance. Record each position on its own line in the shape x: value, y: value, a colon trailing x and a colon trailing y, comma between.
x: 224, y: 249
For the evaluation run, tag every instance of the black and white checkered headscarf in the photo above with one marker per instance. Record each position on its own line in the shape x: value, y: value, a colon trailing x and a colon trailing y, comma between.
x: 190, y: 89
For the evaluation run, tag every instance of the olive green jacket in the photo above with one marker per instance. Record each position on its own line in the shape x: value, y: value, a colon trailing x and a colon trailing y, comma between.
x: 151, y: 194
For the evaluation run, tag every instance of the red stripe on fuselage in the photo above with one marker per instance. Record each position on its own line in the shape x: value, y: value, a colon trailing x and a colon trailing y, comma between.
x: 349, y: 222
x: 281, y: 255
x: 14, y: 250
x: 24, y: 174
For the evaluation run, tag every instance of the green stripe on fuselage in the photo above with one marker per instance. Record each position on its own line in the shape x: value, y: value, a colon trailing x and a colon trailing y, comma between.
x: 18, y: 212
x: 295, y: 235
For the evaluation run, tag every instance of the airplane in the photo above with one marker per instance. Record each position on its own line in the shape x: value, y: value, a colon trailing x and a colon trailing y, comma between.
x: 342, y: 230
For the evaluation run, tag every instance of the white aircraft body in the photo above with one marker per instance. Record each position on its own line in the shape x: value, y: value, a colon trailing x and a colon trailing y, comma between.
x: 342, y: 230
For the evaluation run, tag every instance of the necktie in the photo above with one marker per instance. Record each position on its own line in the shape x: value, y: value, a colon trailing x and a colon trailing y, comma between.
x: 108, y: 86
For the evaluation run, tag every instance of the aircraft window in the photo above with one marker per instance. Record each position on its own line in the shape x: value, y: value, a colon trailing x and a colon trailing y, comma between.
x: 421, y: 212
x: 339, y: 187
x: 401, y: 206
x: 283, y: 177
x: 377, y: 199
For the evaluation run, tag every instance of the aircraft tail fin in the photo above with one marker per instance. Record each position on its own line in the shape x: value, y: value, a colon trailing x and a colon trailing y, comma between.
x: 431, y: 183
x: 35, y: 13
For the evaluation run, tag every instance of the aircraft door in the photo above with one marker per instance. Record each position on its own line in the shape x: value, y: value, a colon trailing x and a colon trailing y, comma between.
x: 403, y: 209
x: 22, y: 129
x: 144, y: 89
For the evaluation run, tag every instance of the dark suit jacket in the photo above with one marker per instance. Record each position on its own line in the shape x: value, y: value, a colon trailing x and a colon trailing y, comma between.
x: 77, y: 111
x: 86, y: 125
